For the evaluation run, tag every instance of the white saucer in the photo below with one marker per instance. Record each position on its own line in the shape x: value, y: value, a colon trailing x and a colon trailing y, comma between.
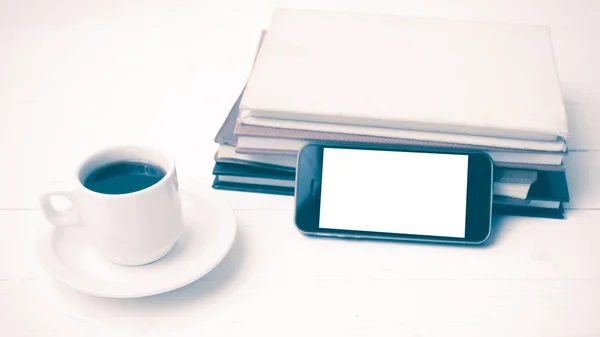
x: 208, y: 234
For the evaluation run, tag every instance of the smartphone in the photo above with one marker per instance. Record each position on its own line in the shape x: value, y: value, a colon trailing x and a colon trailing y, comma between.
x: 360, y: 191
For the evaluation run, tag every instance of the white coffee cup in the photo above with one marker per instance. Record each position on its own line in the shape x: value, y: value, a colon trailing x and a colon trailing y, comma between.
x: 129, y: 229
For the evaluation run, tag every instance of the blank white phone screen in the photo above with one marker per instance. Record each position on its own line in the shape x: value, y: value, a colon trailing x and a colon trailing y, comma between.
x: 394, y: 192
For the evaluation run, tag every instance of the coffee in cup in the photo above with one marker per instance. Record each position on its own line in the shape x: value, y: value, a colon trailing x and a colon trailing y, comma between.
x: 127, y: 197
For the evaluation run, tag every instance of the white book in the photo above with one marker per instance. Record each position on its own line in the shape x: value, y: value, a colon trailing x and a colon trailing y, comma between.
x: 476, y: 83
x: 248, y: 144
x: 256, y: 181
x: 227, y: 153
x: 518, y: 191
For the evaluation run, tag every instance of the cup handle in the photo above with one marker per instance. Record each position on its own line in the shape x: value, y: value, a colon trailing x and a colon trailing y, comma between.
x: 69, y: 217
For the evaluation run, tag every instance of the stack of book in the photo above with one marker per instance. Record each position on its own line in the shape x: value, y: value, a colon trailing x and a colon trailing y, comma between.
x: 377, y: 79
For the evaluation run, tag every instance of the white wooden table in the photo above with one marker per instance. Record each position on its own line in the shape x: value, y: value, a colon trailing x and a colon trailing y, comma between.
x: 77, y: 75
